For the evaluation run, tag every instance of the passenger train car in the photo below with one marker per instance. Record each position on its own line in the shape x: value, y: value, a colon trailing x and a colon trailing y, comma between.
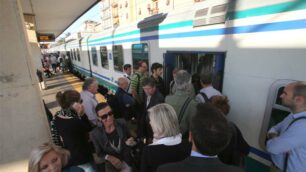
x: 253, y: 48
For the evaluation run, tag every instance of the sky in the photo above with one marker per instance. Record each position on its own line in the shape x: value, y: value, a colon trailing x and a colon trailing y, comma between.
x: 92, y: 14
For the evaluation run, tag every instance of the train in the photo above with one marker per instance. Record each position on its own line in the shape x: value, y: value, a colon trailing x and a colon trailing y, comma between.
x: 254, y: 48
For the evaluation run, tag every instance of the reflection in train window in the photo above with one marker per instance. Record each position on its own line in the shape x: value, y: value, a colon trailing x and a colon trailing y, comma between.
x: 94, y: 56
x: 103, y: 54
x: 118, y: 57
x: 140, y: 53
x: 78, y: 54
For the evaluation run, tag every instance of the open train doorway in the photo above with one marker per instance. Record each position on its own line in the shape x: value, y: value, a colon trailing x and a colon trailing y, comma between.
x: 195, y: 63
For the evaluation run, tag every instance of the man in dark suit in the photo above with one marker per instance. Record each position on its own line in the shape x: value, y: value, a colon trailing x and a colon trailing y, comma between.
x: 152, y: 98
x: 209, y: 134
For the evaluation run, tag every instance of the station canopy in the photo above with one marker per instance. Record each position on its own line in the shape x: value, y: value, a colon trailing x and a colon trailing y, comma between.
x: 55, y: 16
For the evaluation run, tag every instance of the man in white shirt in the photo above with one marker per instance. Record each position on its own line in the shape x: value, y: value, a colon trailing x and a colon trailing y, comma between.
x: 90, y: 88
x: 207, y: 90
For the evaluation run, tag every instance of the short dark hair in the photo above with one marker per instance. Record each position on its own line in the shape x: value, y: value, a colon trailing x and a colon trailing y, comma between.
x: 220, y: 102
x: 156, y: 66
x: 206, y: 78
x: 148, y: 81
x: 210, y: 130
x: 101, y: 106
x: 67, y: 98
x: 87, y: 83
x: 139, y: 64
x: 126, y: 66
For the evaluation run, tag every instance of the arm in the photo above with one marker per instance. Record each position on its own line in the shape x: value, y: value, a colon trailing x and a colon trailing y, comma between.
x: 144, y: 163
x: 292, y: 138
x: 96, y: 143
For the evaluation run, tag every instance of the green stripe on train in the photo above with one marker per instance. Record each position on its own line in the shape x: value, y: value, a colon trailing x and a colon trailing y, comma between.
x: 260, y: 11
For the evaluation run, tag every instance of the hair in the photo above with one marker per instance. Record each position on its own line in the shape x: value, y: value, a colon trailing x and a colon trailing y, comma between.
x: 221, y: 103
x: 164, y: 120
x: 182, y: 79
x: 139, y: 64
x: 206, y: 78
x: 38, y: 153
x: 67, y: 98
x: 299, y: 89
x: 210, y: 130
x: 156, y: 66
x: 175, y: 70
x: 126, y: 66
x: 101, y: 106
x: 88, y: 82
x: 149, y: 82
x: 122, y: 79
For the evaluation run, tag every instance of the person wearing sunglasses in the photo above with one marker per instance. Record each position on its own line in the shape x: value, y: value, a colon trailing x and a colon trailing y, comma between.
x: 72, y: 126
x: 112, y: 141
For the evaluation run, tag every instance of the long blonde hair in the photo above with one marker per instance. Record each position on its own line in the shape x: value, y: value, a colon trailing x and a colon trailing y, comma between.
x: 38, y: 153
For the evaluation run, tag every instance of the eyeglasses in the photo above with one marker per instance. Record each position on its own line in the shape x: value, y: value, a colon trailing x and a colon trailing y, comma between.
x: 80, y: 101
x: 104, y: 116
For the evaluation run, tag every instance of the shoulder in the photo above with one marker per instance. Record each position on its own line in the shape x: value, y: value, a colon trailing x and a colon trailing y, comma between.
x: 176, y: 166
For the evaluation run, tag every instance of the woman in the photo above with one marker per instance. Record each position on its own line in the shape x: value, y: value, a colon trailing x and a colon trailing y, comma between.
x: 50, y: 158
x: 238, y: 148
x: 72, y: 125
x: 111, y: 140
x: 167, y: 143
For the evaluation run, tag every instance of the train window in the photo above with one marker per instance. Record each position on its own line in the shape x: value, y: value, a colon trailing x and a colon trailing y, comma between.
x: 104, y: 59
x: 94, y: 56
x: 118, y: 57
x: 74, y: 54
x: 71, y: 54
x: 140, y: 52
x: 78, y: 54
x: 275, y: 112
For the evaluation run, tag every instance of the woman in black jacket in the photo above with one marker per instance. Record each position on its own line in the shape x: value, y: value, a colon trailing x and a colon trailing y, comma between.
x: 72, y: 126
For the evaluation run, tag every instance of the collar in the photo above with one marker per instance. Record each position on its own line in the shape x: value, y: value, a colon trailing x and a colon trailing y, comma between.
x: 168, y: 141
x: 197, y: 154
x: 89, y: 93
x: 300, y: 114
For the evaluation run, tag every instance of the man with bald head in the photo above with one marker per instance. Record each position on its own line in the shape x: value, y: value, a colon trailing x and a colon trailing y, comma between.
x: 287, y: 142
x: 124, y: 99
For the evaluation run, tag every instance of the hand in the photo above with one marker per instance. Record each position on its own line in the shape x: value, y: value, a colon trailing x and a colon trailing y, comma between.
x: 130, y: 142
x: 272, y: 135
x: 79, y: 108
x: 115, y: 162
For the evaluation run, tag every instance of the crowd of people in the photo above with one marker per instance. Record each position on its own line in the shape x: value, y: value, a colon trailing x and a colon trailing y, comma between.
x: 144, y: 128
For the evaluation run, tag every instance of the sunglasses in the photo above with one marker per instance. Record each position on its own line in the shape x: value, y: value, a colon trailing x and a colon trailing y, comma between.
x: 109, y: 114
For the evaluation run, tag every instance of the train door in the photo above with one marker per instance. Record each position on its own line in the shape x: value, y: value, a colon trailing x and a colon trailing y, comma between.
x: 195, y: 63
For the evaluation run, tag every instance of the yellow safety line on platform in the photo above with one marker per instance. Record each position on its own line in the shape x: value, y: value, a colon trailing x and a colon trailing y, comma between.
x: 78, y: 87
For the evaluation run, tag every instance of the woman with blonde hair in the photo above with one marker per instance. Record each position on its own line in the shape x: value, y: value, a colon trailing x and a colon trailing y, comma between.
x: 167, y: 145
x: 50, y: 158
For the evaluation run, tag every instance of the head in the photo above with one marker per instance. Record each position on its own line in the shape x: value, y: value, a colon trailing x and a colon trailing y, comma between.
x: 163, y: 121
x: 221, y: 103
x: 157, y: 69
x: 123, y: 83
x: 67, y: 98
x: 209, y: 130
x: 48, y: 158
x: 105, y: 114
x: 91, y: 85
x: 175, y: 70
x: 182, y: 80
x: 294, y: 96
x: 206, y: 79
x: 127, y: 68
x: 142, y: 66
x: 149, y: 86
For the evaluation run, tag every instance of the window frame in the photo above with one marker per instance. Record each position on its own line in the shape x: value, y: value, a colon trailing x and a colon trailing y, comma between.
x: 144, y: 50
x: 94, y: 59
x: 105, y: 66
x: 118, y: 67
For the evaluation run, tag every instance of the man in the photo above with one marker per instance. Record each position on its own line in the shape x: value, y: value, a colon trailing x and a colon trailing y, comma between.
x: 124, y: 99
x: 152, y: 98
x: 53, y: 61
x: 287, y: 143
x: 157, y: 71
x: 207, y: 90
x: 90, y: 88
x: 209, y: 134
x: 183, y: 104
x: 127, y: 69
x: 136, y: 81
